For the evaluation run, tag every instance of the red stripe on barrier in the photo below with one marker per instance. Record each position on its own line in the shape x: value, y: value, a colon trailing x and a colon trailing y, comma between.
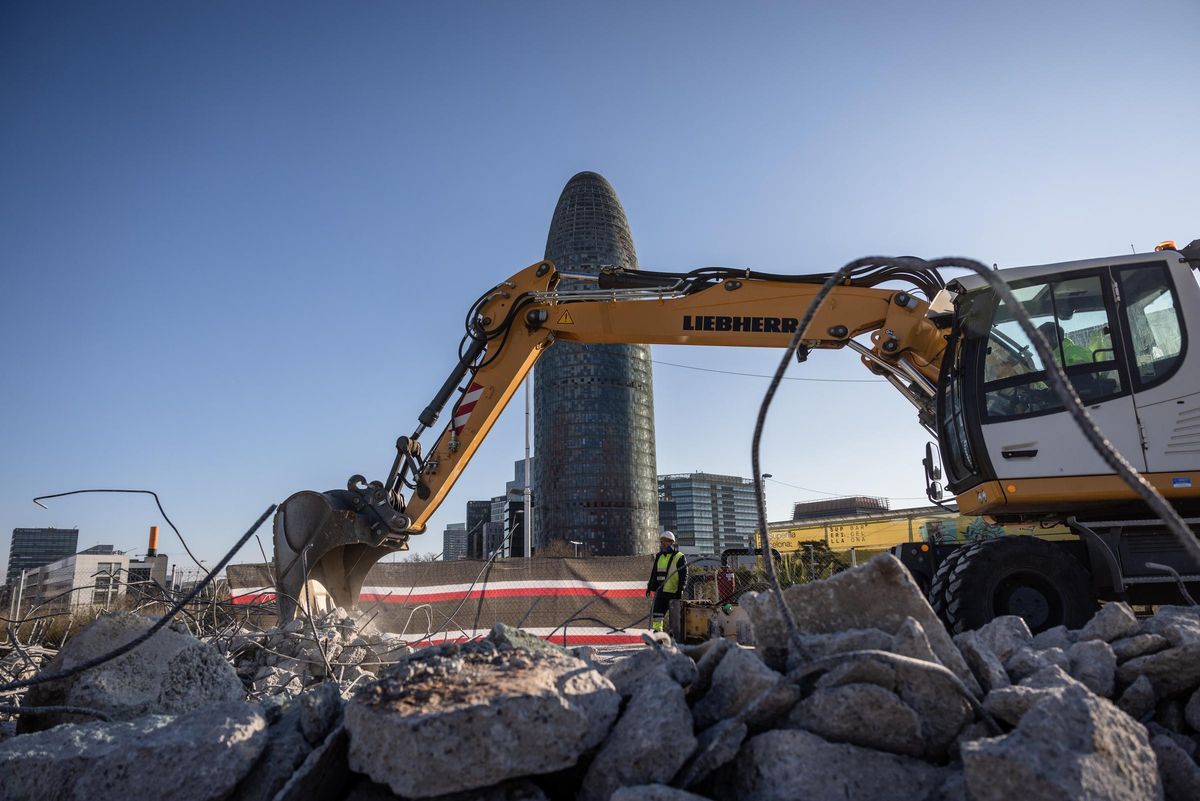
x: 401, y: 597
x: 262, y: 598
x: 616, y: 638
x: 498, y: 592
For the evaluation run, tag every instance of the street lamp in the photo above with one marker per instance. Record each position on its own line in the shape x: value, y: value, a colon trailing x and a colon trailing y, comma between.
x: 766, y: 534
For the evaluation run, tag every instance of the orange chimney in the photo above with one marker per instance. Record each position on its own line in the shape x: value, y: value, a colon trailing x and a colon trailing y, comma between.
x: 152, y: 548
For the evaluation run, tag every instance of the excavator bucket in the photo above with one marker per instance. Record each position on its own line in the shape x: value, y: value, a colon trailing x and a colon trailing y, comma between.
x: 320, y: 537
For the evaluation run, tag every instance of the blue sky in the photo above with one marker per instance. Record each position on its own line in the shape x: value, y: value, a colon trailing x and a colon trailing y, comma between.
x: 237, y: 239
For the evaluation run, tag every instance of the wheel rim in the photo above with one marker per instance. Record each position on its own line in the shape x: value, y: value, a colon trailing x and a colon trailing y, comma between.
x: 1029, y: 596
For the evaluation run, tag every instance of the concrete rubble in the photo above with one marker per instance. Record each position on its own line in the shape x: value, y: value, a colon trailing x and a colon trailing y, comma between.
x: 866, y: 702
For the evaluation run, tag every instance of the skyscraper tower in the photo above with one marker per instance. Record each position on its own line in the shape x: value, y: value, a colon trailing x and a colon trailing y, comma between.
x: 594, y: 470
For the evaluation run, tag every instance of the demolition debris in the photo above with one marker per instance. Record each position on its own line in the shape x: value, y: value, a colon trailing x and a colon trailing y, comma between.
x: 872, y: 699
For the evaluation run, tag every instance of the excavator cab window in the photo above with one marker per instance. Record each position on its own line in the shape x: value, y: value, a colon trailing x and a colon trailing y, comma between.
x: 1151, y: 313
x: 953, y: 434
x: 1073, y: 315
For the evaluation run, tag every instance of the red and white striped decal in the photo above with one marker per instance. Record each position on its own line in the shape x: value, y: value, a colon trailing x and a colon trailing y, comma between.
x: 462, y: 412
x: 453, y: 592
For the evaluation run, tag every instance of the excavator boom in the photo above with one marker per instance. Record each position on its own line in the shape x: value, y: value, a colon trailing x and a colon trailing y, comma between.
x: 336, y: 537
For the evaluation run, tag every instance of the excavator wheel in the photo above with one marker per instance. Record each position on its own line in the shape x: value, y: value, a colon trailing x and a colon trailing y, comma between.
x: 1018, y: 575
x: 939, y: 586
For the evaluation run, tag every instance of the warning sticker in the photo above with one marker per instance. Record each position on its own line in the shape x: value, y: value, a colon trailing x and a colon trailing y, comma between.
x: 566, y: 318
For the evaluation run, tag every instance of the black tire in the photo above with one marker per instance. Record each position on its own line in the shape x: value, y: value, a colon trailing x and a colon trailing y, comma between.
x: 1018, y: 575
x: 939, y: 589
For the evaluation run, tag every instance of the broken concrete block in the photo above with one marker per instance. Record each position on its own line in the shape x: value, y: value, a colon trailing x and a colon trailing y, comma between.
x: 707, y: 656
x: 1094, y: 663
x: 860, y: 671
x: 324, y: 775
x: 1138, y: 645
x: 1114, y: 621
x: 809, y: 647
x: 271, y: 680
x: 716, y: 747
x: 1056, y: 637
x: 1073, y: 744
x: 171, y: 673
x: 770, y: 706
x: 1011, y: 703
x: 878, y: 595
x: 984, y: 665
x: 285, y: 751
x: 198, y: 756
x: 1180, y: 773
x: 739, y: 679
x: 654, y: 792
x: 1191, y: 712
x: 787, y: 764
x: 1005, y: 634
x: 449, y: 719
x: 1024, y: 662
x: 861, y: 714
x: 511, y: 636
x: 1179, y: 624
x: 911, y: 640
x: 628, y: 674
x: 650, y: 743
x: 1138, y: 699
x: 320, y: 711
x: 1168, y: 713
x: 1171, y: 671
x: 941, y: 707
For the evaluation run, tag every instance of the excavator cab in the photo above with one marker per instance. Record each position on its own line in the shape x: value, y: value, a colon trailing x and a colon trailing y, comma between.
x: 1119, y: 329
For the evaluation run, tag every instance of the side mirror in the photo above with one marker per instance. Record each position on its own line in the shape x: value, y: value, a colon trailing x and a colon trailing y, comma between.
x: 934, y: 491
x: 933, y: 467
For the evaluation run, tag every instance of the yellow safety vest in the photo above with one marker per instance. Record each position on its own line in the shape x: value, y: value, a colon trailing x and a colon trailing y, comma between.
x: 664, y: 564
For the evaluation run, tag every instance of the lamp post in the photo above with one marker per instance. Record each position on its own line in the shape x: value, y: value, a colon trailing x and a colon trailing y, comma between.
x: 766, y: 534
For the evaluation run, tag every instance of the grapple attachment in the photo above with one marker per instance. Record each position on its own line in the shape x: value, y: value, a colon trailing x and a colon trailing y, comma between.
x: 333, y: 538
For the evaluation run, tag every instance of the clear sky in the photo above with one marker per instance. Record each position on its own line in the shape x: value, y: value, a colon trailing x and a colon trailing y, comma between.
x: 237, y: 240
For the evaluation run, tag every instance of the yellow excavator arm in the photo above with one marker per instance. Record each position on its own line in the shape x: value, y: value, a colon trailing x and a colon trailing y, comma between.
x: 335, y: 537
x: 905, y: 344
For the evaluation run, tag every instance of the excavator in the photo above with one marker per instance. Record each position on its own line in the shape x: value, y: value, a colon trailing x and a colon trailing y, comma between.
x: 1002, y: 443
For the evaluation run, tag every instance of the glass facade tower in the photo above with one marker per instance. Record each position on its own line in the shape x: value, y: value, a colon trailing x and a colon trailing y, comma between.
x: 594, y: 471
x: 34, y: 547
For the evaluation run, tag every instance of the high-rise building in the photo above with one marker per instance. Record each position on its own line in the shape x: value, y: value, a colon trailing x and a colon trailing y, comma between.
x: 594, y: 475
x: 454, y: 542
x: 478, y: 514
x: 35, y: 547
x: 712, y: 512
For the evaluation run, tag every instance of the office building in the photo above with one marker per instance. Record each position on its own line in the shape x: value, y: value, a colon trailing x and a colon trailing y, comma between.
x: 454, y: 542
x: 94, y: 577
x: 478, y: 513
x: 35, y: 547
x: 594, y: 404
x: 712, y: 512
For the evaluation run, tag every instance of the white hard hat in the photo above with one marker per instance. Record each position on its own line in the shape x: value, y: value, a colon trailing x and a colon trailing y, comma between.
x: 667, y: 535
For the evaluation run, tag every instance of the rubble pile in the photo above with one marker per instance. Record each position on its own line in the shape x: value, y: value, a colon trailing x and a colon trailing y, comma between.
x: 333, y: 647
x: 872, y: 699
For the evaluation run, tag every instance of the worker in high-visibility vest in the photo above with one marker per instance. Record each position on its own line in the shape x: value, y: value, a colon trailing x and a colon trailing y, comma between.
x: 668, y: 578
